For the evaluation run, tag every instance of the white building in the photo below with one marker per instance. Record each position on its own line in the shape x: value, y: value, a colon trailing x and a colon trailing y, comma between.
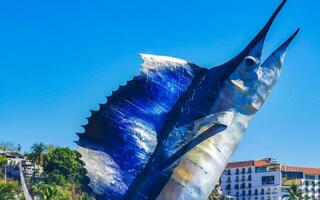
x: 265, y: 179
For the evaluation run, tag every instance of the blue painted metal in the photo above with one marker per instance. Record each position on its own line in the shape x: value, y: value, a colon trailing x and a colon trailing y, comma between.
x: 136, y: 141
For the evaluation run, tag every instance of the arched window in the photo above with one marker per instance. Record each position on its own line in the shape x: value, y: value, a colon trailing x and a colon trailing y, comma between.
x: 243, y: 193
x: 249, y: 178
x: 243, y: 185
x: 249, y: 185
x: 268, y: 191
x: 243, y: 178
x: 262, y: 191
x: 237, y: 171
x: 228, y: 187
x: 236, y: 186
x: 256, y: 192
x: 229, y: 172
x: 249, y: 170
x: 237, y: 178
x: 243, y: 171
x: 307, y: 183
x: 249, y: 192
x: 275, y: 191
x: 229, y: 179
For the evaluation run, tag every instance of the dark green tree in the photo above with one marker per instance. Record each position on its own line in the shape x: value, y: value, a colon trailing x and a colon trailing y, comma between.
x: 64, y: 167
x: 37, y: 156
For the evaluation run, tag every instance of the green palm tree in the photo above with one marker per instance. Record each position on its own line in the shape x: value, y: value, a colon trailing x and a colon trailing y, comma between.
x: 293, y: 193
x: 37, y: 155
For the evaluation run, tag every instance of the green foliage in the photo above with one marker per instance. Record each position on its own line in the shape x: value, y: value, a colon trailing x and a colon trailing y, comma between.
x: 37, y: 156
x: 8, y: 191
x: 3, y: 160
x: 63, y: 176
x: 51, y: 192
x: 293, y: 193
x: 64, y: 164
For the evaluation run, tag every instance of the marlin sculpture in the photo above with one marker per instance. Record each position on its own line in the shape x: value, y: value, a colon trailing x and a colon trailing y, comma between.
x: 169, y: 132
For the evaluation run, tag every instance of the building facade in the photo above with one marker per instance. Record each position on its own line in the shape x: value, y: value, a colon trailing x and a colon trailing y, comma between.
x: 265, y: 179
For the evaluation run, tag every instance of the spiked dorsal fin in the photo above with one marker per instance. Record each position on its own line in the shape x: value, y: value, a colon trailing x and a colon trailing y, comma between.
x: 122, y: 135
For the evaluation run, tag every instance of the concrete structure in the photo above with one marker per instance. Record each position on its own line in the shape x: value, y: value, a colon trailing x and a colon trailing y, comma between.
x: 265, y: 179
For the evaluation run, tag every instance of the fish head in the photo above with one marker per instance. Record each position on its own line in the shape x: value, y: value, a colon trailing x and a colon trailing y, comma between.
x: 250, y: 80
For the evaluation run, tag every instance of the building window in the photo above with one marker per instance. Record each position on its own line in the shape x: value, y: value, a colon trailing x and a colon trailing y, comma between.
x: 249, y: 178
x: 275, y: 191
x: 268, y: 198
x: 243, y: 193
x: 237, y: 193
x: 243, y: 185
x: 249, y: 192
x: 268, y: 191
x: 236, y: 186
x: 307, y: 190
x: 313, y: 184
x: 262, y: 191
x: 292, y: 175
x: 249, y: 185
x: 229, y: 172
x: 307, y: 183
x: 228, y: 187
x: 243, y: 171
x: 260, y: 169
x: 256, y: 192
x: 262, y: 198
x: 243, y: 178
x: 310, y: 176
x: 256, y: 198
x: 229, y: 179
x: 237, y: 171
x: 249, y: 170
x: 237, y: 178
x: 267, y: 180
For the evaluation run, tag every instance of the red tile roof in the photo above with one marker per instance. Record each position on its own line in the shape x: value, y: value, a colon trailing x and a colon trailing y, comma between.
x: 250, y: 163
x: 267, y: 162
x: 305, y: 170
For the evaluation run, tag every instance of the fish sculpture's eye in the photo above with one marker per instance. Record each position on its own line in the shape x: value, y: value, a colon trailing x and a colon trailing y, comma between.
x: 250, y: 61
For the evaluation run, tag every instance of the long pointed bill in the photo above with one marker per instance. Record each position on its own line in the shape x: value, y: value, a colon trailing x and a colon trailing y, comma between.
x: 270, y: 73
x: 254, y: 48
x: 277, y: 57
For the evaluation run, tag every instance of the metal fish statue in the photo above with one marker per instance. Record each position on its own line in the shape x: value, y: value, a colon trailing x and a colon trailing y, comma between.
x: 169, y: 132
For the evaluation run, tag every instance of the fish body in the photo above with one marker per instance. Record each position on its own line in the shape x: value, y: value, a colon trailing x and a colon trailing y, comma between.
x: 169, y: 132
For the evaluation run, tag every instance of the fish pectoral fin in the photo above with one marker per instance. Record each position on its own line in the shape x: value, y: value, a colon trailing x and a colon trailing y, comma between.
x: 211, y: 131
x: 205, y: 123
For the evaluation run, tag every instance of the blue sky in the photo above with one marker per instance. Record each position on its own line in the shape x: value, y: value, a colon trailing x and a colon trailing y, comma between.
x: 58, y: 60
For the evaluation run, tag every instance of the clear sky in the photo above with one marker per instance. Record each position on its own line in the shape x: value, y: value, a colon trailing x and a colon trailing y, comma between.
x: 59, y: 59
